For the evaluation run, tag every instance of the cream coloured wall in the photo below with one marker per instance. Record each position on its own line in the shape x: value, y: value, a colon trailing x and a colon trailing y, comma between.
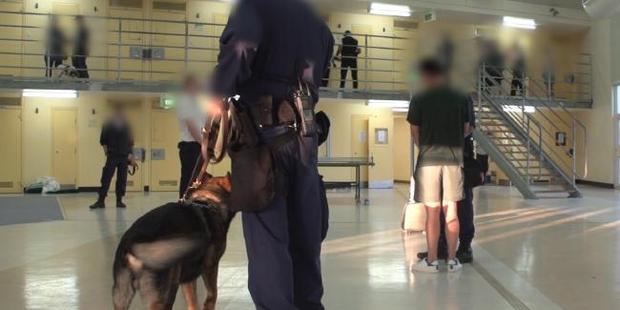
x: 92, y: 110
x: 598, y: 120
x: 340, y: 112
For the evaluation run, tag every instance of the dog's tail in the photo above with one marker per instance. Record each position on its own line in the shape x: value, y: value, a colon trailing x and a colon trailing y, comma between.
x: 161, y: 254
x: 123, y: 290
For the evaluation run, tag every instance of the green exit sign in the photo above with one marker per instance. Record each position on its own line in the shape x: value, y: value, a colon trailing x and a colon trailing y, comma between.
x: 167, y: 102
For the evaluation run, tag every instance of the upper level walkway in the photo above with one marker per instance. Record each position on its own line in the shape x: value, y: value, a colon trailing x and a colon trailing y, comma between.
x: 151, y: 55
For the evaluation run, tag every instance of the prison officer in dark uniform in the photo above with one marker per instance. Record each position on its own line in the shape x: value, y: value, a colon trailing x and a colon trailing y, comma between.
x: 81, y: 48
x: 54, y: 46
x: 349, y: 50
x: 269, y: 48
x: 117, y: 141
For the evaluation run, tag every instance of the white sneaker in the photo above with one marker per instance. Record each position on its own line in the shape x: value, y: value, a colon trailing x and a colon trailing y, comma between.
x: 454, y: 265
x: 424, y: 266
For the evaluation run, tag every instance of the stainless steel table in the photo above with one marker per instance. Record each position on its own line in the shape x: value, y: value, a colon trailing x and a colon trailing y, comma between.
x: 353, y: 162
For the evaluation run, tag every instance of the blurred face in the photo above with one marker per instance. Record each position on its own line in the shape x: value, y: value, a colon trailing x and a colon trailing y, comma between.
x: 119, y: 111
x: 192, y: 85
x: 431, y: 80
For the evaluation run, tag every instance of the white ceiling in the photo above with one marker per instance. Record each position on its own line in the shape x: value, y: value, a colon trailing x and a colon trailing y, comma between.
x: 570, y: 4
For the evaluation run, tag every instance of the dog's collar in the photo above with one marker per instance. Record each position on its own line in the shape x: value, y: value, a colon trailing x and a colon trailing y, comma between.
x: 208, y: 205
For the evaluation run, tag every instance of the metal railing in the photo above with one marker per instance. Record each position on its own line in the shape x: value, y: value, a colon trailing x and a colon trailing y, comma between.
x: 160, y: 50
x: 547, y: 125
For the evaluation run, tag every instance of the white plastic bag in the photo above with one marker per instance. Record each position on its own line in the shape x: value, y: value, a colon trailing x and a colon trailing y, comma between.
x: 50, y: 185
x: 414, y: 214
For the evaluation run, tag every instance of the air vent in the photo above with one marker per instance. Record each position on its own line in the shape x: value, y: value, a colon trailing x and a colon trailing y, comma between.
x: 10, y: 101
x: 126, y: 3
x: 6, y: 184
x: 405, y: 24
x: 130, y: 183
x: 168, y: 182
x: 169, y: 6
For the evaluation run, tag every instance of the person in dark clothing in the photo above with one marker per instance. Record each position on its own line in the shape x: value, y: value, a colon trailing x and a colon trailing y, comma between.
x: 439, y: 119
x: 493, y: 62
x: 117, y: 141
x: 445, y: 52
x: 269, y: 48
x: 348, y: 52
x: 54, y: 47
x: 518, y: 72
x: 81, y: 48
x: 465, y: 206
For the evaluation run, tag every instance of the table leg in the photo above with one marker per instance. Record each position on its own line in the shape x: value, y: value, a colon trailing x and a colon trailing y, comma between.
x: 358, y: 184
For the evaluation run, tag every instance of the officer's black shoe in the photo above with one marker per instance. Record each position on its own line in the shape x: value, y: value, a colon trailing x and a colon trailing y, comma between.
x: 465, y: 255
x: 120, y: 204
x: 97, y: 205
x: 440, y: 255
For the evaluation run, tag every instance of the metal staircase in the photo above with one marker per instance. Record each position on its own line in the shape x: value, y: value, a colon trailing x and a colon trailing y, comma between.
x: 534, y: 142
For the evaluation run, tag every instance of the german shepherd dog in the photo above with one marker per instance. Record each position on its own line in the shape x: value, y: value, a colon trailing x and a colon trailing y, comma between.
x: 173, y: 245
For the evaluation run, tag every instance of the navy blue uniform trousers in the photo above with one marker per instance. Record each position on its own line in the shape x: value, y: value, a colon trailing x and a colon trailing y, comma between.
x: 283, y: 241
x: 465, y: 212
x: 120, y: 165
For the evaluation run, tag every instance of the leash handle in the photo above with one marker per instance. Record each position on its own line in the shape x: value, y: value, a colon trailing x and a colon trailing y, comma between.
x: 210, y: 134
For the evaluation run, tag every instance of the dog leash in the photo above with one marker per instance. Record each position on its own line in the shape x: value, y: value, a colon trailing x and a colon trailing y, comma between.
x: 212, y: 150
x: 133, y: 168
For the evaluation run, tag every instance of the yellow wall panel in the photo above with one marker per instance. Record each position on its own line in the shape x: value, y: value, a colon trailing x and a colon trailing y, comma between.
x: 10, y: 152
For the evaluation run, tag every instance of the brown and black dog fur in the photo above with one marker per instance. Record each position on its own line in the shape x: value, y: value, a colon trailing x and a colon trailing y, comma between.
x: 173, y: 245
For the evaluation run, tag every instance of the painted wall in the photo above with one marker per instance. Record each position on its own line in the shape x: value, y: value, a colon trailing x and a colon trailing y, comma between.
x: 599, y: 122
x: 340, y: 113
x: 37, y: 137
x: 92, y: 109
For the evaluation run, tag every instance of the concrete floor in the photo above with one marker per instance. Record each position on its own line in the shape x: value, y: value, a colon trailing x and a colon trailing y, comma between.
x: 544, y: 254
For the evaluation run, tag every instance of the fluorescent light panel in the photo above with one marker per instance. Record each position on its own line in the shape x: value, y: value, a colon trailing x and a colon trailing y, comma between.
x: 50, y: 93
x: 394, y: 104
x: 400, y: 110
x: 516, y: 22
x: 390, y: 9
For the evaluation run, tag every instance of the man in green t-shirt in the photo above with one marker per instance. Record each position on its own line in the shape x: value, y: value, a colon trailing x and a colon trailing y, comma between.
x: 439, y: 120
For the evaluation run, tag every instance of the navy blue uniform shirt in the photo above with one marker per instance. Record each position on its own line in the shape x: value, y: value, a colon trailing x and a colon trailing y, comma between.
x: 118, y: 138
x: 268, y: 45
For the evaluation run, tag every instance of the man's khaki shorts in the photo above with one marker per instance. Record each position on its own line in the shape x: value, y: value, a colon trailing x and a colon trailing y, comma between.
x: 438, y: 185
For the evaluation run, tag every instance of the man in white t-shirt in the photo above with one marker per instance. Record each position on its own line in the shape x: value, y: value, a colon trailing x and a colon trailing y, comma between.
x: 191, y: 121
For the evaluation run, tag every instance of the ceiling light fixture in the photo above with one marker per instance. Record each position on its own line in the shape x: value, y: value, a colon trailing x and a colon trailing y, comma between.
x: 400, y: 110
x: 389, y: 9
x: 516, y: 22
x: 50, y: 93
x: 393, y: 104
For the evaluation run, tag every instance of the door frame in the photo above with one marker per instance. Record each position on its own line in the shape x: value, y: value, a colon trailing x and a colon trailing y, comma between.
x: 365, y: 171
x: 20, y: 177
x: 77, y: 141
x: 615, y: 95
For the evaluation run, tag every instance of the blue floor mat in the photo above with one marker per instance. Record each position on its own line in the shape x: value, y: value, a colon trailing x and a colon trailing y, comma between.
x: 29, y: 209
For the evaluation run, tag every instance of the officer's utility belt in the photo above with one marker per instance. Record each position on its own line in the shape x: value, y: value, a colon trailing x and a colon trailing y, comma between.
x: 296, y: 112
